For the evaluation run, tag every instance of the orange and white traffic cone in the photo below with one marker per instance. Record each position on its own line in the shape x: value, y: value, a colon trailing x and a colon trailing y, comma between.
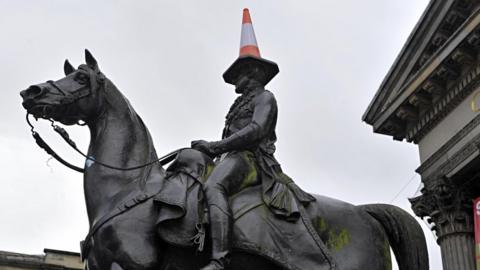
x: 249, y: 55
x: 248, y: 41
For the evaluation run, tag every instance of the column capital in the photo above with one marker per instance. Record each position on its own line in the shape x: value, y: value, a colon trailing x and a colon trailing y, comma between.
x: 446, y: 206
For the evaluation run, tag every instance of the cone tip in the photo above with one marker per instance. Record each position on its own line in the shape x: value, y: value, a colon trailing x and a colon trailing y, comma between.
x: 246, y: 16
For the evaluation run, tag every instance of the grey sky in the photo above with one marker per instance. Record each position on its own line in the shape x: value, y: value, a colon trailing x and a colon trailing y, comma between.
x: 167, y: 57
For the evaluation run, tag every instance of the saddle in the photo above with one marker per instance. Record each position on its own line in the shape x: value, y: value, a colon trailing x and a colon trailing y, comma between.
x: 293, y: 245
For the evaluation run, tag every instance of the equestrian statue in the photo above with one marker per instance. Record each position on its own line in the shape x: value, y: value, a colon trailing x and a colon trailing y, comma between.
x: 217, y: 205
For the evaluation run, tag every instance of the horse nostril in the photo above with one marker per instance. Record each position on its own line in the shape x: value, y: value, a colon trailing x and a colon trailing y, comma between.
x: 32, y: 92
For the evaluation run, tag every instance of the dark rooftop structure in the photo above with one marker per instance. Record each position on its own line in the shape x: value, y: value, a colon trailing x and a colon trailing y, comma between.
x: 50, y: 260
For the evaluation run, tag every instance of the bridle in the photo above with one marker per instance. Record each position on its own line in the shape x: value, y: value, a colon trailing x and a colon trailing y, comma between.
x: 71, y: 97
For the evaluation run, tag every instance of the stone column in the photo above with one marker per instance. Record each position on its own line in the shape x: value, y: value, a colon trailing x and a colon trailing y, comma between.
x: 450, y: 211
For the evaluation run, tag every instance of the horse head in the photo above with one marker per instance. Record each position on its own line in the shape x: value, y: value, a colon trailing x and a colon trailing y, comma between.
x: 69, y: 100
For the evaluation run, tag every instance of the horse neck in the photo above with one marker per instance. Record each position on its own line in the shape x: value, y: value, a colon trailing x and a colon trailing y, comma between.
x: 118, y: 138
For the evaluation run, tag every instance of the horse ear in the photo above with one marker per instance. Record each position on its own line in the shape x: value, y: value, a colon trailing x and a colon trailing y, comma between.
x: 90, y: 60
x: 67, y: 67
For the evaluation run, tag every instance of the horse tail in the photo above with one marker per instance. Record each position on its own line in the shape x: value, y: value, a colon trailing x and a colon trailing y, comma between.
x: 404, y: 234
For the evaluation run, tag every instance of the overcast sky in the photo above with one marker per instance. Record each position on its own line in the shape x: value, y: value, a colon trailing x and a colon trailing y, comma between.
x: 167, y: 57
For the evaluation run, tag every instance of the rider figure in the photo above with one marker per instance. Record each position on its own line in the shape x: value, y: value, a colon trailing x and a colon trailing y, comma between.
x: 245, y: 153
x: 250, y: 122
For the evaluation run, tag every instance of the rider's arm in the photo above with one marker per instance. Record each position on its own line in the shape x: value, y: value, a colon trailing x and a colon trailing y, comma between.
x: 263, y: 120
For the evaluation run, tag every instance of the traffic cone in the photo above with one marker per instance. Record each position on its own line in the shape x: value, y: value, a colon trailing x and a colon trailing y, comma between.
x: 248, y: 41
x: 249, y: 56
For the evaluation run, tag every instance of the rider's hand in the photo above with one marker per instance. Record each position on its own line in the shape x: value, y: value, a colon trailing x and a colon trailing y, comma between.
x: 204, y: 147
x: 199, y: 144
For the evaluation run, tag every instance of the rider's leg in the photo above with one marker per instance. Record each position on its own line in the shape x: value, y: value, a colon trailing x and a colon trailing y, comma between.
x: 230, y: 175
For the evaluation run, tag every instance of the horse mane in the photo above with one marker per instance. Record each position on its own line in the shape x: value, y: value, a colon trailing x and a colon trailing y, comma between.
x: 115, y: 99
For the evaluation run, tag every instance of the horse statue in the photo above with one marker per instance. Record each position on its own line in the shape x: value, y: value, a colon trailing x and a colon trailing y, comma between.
x: 143, y: 216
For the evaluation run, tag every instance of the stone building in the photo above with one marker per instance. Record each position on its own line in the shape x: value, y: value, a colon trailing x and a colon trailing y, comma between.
x: 431, y: 97
x: 51, y: 260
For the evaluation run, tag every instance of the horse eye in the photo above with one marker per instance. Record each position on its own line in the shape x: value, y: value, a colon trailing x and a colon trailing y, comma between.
x: 81, y: 78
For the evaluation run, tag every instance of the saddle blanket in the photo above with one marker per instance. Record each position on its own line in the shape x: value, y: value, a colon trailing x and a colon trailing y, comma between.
x: 256, y: 229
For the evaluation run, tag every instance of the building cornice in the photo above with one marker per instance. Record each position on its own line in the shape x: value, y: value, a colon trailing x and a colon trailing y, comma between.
x: 415, y: 44
x: 430, y: 67
x: 444, y: 105
x: 454, y: 62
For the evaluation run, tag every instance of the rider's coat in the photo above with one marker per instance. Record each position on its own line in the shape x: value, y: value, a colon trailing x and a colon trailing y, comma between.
x: 250, y: 126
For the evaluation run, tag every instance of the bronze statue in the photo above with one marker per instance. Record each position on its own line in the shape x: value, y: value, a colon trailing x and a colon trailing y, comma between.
x: 143, y: 216
x: 146, y: 217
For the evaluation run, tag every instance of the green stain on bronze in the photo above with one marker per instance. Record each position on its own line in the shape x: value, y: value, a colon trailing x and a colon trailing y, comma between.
x: 388, y: 257
x: 335, y: 239
x: 320, y: 224
x: 206, y: 172
x: 338, y: 239
x: 251, y: 177
x: 209, y: 170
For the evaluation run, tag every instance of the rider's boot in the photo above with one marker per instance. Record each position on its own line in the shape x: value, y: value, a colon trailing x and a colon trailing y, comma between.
x: 221, y: 234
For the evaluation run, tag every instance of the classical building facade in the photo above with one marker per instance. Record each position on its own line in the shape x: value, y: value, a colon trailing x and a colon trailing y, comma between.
x: 51, y: 260
x: 431, y: 97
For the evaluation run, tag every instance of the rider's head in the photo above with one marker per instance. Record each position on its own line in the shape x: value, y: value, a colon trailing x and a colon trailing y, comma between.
x: 253, y: 76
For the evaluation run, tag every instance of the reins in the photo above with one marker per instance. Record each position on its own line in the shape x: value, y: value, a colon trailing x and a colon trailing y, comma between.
x: 66, y: 137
